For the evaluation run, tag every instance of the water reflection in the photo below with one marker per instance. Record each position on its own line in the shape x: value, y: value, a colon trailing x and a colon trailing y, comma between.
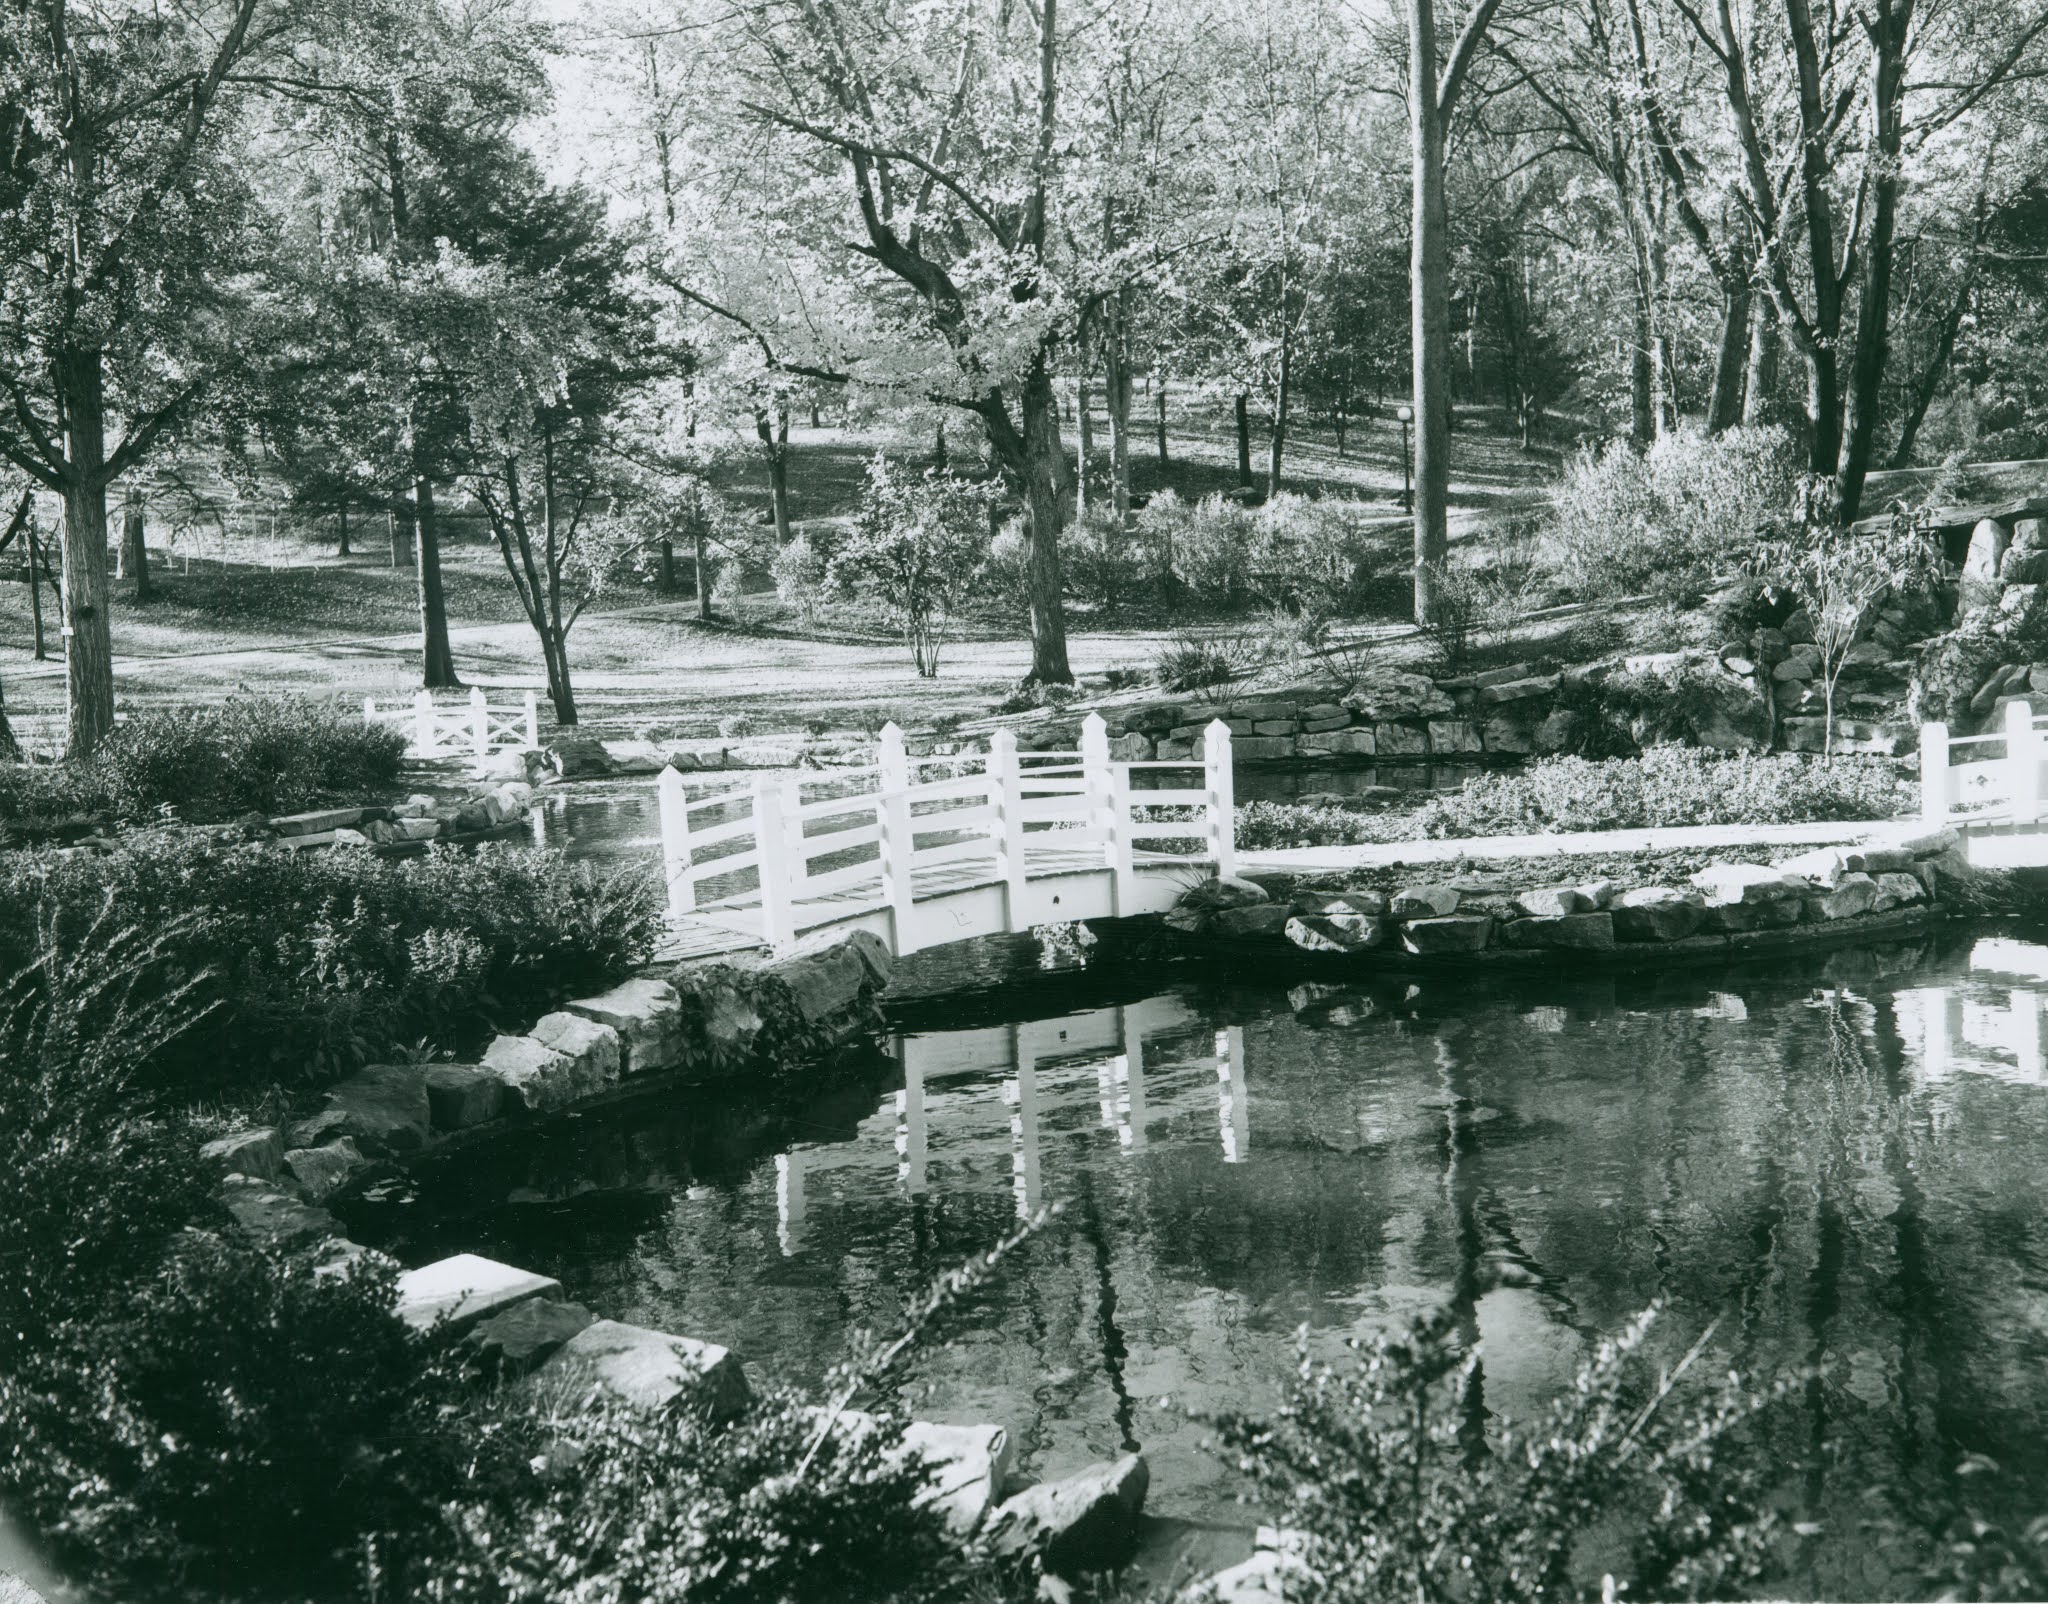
x: 1844, y: 1162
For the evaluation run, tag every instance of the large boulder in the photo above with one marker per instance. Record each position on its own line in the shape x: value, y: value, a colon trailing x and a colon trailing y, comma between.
x: 1658, y: 913
x: 1261, y: 919
x: 594, y: 1048
x: 1579, y: 932
x: 258, y: 1153
x: 1424, y: 902
x: 536, y: 1079
x: 1852, y: 894
x: 1746, y: 883
x: 1345, y: 931
x: 1222, y: 891
x: 579, y: 757
x: 1553, y: 902
x: 1452, y: 934
x: 461, y: 1096
x: 274, y: 1220
x: 648, y: 1368
x: 1981, y: 563
x: 322, y: 1172
x: 382, y: 1108
x: 1084, y: 1522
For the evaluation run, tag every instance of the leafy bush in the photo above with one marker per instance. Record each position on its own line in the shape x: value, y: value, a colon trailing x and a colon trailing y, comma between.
x: 1190, y: 662
x: 674, y: 1507
x: 1399, y: 1484
x: 1667, y: 785
x: 1265, y: 826
x: 315, y: 963
x: 273, y: 754
x: 1315, y: 552
x: 914, y: 548
x: 799, y: 574
x: 1669, y: 519
x: 1467, y: 613
x: 1105, y: 567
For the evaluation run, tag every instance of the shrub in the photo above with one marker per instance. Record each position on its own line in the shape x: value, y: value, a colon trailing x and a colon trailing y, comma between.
x: 1466, y: 614
x: 1314, y: 553
x: 315, y: 963
x: 1265, y: 826
x: 914, y: 548
x: 1667, y: 785
x: 1668, y: 519
x: 798, y: 570
x: 1209, y: 548
x: 1402, y: 1486
x: 1190, y: 662
x: 272, y: 754
x: 1105, y: 566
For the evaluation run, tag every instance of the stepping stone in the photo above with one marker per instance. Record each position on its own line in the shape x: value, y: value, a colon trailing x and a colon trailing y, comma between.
x: 648, y: 1368
x: 527, y: 1335
x: 1084, y: 1522
x: 466, y: 1289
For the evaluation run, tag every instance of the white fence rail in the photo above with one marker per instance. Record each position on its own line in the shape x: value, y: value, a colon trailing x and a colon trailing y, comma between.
x: 1998, y: 777
x: 1001, y: 818
x: 473, y: 726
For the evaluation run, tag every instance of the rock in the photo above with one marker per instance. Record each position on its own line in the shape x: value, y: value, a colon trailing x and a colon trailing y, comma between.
x: 1265, y: 919
x: 384, y: 1108
x: 1511, y: 733
x: 1339, y: 743
x: 1550, y: 902
x: 1658, y: 913
x: 273, y: 1220
x: 1979, y: 585
x: 2028, y: 535
x: 1882, y: 860
x: 1454, y: 933
x: 328, y: 819
x: 1271, y: 1576
x: 1226, y: 891
x: 1337, y: 932
x: 1424, y: 902
x: 350, y: 838
x: 13, y: 1590
x: 1921, y: 840
x: 536, y: 1078
x: 520, y: 1339
x: 460, y: 1096
x: 415, y: 829
x: 1518, y: 690
x: 1795, y: 668
x: 258, y: 1153
x: 1746, y: 882
x: 648, y: 1017
x: 507, y: 763
x: 579, y: 757
x: 1400, y: 740
x: 1560, y: 731
x: 1340, y: 902
x: 1734, y: 918
x: 1578, y: 932
x: 1824, y: 866
x: 965, y: 1468
x: 464, y: 1290
x: 1084, y: 1522
x: 648, y: 1368
x: 595, y: 1048
x: 1389, y: 693
x: 1897, y: 891
x: 323, y: 1171
x: 1600, y: 893
x: 1852, y: 894
x: 826, y: 977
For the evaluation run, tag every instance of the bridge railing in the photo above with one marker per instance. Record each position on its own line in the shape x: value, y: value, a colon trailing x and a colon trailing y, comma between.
x: 474, y: 726
x: 864, y: 841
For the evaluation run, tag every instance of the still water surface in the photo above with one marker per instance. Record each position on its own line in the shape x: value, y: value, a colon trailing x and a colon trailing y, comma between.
x: 1844, y: 1163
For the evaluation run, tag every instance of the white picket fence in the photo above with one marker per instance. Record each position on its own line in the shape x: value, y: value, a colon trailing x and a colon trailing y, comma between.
x: 909, y: 832
x: 1997, y: 777
x: 473, y: 726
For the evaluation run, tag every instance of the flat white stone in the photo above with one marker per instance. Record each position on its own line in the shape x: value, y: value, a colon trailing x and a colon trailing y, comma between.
x: 466, y: 1289
x: 648, y: 1368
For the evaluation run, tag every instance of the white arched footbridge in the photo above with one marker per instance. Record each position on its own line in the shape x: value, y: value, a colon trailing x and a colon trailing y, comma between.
x: 928, y: 850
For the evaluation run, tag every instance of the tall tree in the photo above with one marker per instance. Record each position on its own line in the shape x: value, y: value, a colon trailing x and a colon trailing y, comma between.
x: 118, y: 208
x: 1432, y: 98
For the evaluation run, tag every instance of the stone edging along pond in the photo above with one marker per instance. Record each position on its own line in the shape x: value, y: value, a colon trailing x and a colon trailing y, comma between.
x: 703, y: 1023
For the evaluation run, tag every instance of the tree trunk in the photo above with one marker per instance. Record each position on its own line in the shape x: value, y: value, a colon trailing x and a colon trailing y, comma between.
x: 1117, y: 395
x: 703, y: 580
x: 1929, y: 384
x: 1641, y: 418
x: 35, y: 589
x: 1430, y: 309
x: 1760, y: 382
x: 343, y: 552
x: 1162, y: 423
x: 774, y: 438
x: 10, y: 748
x: 1724, y: 401
x: 437, y: 658
x: 134, y: 545
x: 1041, y: 465
x: 1244, y: 442
x: 666, y: 577
x: 1087, y: 446
x: 88, y: 635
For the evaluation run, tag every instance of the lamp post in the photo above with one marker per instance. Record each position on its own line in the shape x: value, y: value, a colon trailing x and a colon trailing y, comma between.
x: 1407, y: 416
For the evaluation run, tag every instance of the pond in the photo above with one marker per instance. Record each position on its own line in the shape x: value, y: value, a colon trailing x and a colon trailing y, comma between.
x: 1842, y: 1163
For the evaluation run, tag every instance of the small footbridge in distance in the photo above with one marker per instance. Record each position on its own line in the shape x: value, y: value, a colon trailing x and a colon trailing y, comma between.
x: 923, y: 851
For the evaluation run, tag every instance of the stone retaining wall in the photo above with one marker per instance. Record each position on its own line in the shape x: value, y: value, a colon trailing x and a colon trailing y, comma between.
x: 1888, y: 886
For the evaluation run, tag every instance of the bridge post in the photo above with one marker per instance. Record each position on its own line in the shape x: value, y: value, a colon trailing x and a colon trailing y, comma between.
x: 1221, y: 784
x: 423, y: 731
x: 2023, y: 762
x: 1006, y: 797
x: 1934, y: 773
x: 792, y: 800
x: 675, y: 842
x: 1122, y: 864
x: 778, y: 925
x: 1096, y: 781
x: 479, y: 723
x: 532, y: 719
x: 370, y: 711
x: 899, y: 840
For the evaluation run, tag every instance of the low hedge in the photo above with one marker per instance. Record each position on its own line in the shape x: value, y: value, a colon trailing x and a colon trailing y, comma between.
x: 310, y: 964
x: 268, y: 754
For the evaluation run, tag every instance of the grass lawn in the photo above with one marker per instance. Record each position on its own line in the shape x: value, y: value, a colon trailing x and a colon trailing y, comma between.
x: 284, y: 613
